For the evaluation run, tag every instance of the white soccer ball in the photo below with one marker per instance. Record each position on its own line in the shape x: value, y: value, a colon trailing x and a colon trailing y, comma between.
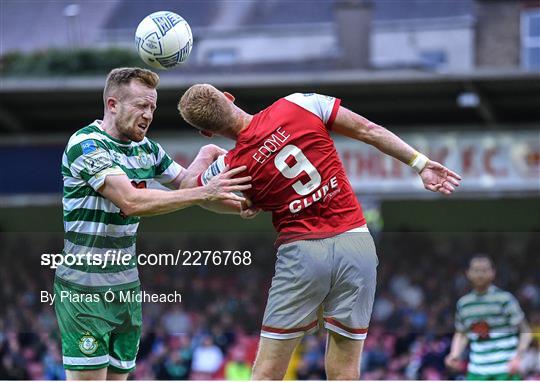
x: 163, y: 40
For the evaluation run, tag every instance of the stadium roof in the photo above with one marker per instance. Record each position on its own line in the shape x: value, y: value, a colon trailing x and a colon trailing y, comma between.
x: 400, y: 98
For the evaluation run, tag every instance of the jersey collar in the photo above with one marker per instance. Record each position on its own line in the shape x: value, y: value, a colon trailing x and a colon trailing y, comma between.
x: 492, y: 288
x: 98, y: 122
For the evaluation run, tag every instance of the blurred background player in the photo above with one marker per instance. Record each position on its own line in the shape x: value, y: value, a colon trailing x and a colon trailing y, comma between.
x: 106, y: 167
x: 326, y: 254
x: 494, y: 324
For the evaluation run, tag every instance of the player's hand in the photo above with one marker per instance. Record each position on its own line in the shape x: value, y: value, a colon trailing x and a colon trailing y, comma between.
x: 224, y: 185
x: 212, y: 151
x: 438, y: 178
x: 452, y: 362
x: 247, y: 210
x: 514, y: 365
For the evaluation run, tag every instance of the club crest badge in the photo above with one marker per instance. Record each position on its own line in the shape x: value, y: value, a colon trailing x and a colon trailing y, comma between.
x: 88, y: 344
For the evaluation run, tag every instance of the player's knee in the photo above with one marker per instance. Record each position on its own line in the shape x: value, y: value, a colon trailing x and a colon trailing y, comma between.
x: 342, y: 372
x: 268, y: 371
x: 113, y: 376
x: 265, y: 374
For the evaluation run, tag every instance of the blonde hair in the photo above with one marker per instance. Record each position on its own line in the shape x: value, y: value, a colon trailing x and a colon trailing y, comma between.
x: 206, y: 108
x: 121, y: 77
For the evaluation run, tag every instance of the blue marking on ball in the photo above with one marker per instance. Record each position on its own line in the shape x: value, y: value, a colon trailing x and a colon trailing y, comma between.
x: 169, y: 61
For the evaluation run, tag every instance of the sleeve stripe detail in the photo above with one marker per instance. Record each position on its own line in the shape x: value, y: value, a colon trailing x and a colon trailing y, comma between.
x: 333, y: 115
x: 163, y: 165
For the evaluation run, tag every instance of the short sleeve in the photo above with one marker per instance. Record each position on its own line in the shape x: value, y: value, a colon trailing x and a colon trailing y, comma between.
x: 513, y: 311
x: 166, y: 168
x: 324, y: 107
x: 459, y: 324
x: 91, y: 161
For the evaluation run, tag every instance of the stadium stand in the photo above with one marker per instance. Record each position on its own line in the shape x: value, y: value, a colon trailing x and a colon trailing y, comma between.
x: 213, y: 333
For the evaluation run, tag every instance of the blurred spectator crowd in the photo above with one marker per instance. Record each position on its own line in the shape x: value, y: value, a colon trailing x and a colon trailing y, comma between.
x: 213, y: 333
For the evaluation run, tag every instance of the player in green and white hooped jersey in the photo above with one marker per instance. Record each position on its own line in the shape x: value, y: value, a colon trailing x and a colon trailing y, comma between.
x: 105, y: 167
x: 494, y: 324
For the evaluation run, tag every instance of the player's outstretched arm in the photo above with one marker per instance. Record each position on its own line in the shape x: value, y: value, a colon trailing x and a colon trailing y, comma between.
x: 245, y: 209
x: 459, y: 342
x: 434, y: 175
x: 525, y: 339
x: 188, y: 178
x: 146, y: 202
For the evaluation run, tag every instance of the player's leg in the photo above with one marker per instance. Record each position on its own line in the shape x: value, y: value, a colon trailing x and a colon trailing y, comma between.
x: 84, y: 334
x: 302, y: 279
x: 124, y: 342
x: 348, y: 306
x: 86, y: 375
x: 114, y: 376
x: 273, y: 358
x: 342, y: 360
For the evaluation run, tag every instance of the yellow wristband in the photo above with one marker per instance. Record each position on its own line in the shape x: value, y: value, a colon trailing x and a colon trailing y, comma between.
x: 419, y: 161
x: 416, y: 153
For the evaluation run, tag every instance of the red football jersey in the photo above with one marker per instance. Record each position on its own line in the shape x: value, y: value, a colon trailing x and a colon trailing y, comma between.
x: 296, y: 170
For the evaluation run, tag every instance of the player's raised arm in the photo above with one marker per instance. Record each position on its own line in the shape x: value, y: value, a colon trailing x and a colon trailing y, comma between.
x: 188, y: 178
x: 146, y: 202
x: 435, y: 176
x: 245, y: 209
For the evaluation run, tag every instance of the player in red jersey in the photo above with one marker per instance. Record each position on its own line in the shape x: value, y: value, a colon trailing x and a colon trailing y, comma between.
x: 326, y: 255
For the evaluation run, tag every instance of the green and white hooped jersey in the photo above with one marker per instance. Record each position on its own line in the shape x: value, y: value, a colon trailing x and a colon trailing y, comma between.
x: 491, y: 321
x: 93, y: 224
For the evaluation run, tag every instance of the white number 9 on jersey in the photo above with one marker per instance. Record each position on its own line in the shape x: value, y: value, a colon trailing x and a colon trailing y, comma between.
x: 302, y: 165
